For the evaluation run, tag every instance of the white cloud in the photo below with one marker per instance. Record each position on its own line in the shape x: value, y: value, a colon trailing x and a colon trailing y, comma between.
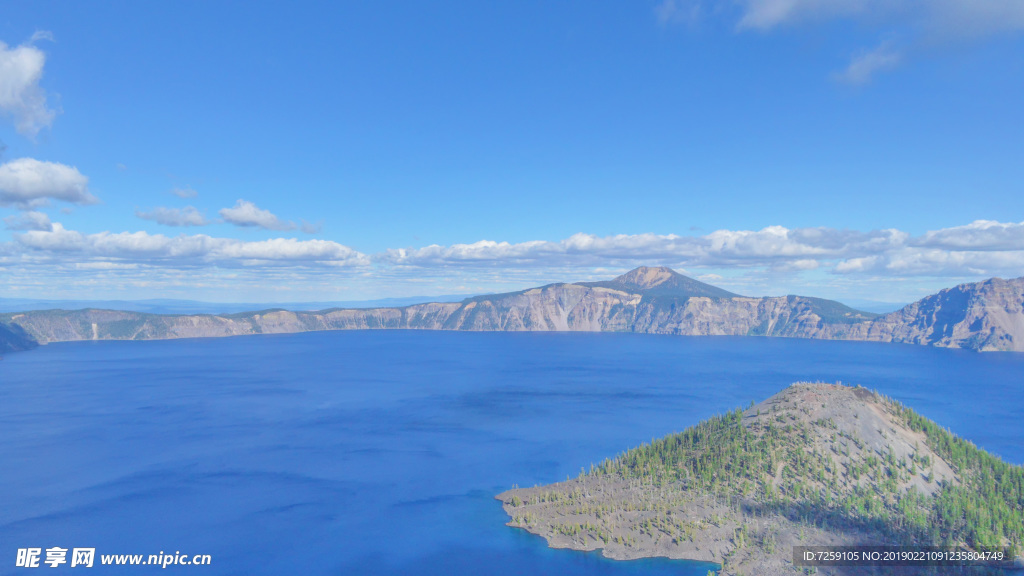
x: 945, y: 18
x: 969, y: 18
x: 245, y: 213
x: 678, y: 11
x: 766, y: 14
x: 187, y: 216
x: 937, y: 263
x: 799, y: 265
x: 860, y: 264
x: 57, y: 239
x: 863, y: 66
x: 21, y: 97
x: 981, y: 248
x: 27, y: 183
x: 62, y: 245
x: 41, y: 35
x: 311, y: 227
x: 186, y: 192
x: 916, y: 25
x: 293, y: 250
x: 28, y: 221
x: 980, y: 235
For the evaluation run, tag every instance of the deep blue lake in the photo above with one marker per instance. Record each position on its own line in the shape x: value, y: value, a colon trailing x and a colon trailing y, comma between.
x: 377, y: 452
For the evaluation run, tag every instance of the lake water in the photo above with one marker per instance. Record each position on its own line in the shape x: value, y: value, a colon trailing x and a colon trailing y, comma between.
x: 381, y: 452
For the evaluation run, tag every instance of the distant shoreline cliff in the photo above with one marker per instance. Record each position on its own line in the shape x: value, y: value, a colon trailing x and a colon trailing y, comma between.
x: 984, y: 316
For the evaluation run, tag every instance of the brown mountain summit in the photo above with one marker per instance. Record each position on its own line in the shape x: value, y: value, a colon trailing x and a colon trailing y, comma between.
x: 661, y: 281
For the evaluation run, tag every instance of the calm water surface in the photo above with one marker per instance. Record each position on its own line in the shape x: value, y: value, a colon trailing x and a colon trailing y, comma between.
x: 380, y: 452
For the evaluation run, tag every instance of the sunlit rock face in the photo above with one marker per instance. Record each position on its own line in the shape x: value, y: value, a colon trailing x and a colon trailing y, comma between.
x: 984, y: 316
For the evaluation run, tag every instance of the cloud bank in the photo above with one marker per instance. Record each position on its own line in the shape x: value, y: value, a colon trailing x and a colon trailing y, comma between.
x: 774, y: 259
x: 980, y: 248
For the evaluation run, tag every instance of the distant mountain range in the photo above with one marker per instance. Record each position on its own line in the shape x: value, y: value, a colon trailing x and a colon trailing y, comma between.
x: 172, y: 306
x: 981, y: 316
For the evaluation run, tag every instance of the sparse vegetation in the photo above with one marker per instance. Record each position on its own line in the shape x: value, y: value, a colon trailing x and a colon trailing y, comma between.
x: 769, y: 463
x: 871, y: 476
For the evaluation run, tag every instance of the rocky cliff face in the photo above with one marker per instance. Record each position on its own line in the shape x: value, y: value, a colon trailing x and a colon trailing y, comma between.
x: 984, y: 316
x: 13, y: 338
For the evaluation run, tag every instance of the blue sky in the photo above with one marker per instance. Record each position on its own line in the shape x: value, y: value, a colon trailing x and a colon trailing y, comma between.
x: 259, y: 152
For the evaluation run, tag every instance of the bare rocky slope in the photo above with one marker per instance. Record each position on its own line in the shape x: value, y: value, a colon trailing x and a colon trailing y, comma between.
x: 814, y: 465
x: 982, y: 316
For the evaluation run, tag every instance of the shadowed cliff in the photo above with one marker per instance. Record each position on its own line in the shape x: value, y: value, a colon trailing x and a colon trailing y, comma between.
x: 14, y: 338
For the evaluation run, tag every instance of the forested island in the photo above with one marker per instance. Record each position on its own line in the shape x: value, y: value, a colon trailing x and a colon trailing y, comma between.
x: 815, y: 465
